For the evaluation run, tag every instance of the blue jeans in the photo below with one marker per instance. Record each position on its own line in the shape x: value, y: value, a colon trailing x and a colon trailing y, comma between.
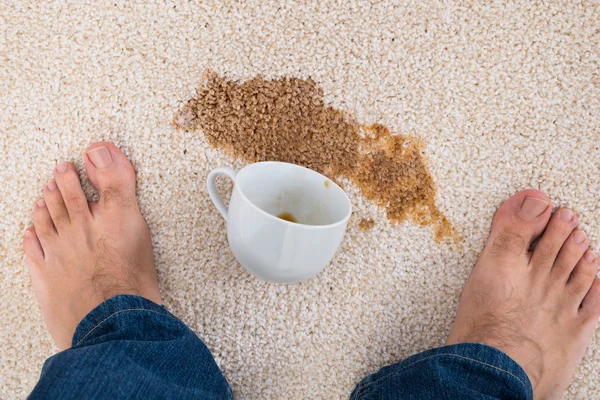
x: 130, y: 347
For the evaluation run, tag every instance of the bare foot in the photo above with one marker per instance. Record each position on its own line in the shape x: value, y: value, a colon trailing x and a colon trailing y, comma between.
x: 538, y: 307
x: 80, y: 254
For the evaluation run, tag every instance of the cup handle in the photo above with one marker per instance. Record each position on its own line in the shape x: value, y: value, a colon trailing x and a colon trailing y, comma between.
x: 212, y: 188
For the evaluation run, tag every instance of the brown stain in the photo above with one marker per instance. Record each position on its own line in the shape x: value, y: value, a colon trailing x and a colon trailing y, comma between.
x: 286, y: 120
x: 286, y: 216
x: 326, y: 184
x: 366, y: 224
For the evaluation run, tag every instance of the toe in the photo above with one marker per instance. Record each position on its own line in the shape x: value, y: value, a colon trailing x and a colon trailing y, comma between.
x: 569, y: 255
x: 56, y: 205
x: 69, y: 185
x: 518, y: 222
x: 590, y: 306
x: 44, y: 227
x: 93, y: 206
x: 112, y: 174
x: 33, y: 247
x: 582, y: 278
x: 557, y: 232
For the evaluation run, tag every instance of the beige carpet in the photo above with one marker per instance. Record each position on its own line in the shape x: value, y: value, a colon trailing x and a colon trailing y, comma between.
x: 505, y: 96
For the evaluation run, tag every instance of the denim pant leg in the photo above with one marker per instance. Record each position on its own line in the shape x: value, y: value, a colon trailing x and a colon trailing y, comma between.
x: 462, y: 371
x: 131, y: 348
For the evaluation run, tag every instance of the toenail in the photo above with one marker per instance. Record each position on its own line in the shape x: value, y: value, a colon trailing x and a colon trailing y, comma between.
x: 41, y: 203
x: 533, y: 207
x: 100, y: 157
x: 27, y: 234
x: 589, y: 256
x: 579, y: 237
x: 51, y: 185
x: 567, y: 215
x: 62, y: 167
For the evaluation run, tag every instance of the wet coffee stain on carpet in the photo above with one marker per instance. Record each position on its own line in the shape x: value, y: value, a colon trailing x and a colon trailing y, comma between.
x: 366, y: 224
x: 287, y: 120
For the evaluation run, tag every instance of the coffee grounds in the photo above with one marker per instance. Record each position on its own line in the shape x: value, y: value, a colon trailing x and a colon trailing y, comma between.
x: 286, y: 120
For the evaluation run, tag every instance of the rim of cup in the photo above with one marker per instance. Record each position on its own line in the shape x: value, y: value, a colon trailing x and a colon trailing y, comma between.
x: 347, y: 202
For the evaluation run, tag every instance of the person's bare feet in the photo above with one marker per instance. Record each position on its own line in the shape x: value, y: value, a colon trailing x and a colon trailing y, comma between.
x: 540, y: 307
x: 80, y: 254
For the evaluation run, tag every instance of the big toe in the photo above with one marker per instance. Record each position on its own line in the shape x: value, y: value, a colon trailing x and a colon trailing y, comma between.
x: 590, y: 307
x: 521, y: 219
x: 111, y: 172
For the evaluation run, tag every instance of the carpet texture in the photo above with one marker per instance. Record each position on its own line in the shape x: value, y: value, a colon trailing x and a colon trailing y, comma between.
x: 505, y: 95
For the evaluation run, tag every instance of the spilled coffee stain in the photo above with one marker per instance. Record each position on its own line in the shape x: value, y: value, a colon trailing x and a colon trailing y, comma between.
x: 366, y: 224
x: 286, y: 120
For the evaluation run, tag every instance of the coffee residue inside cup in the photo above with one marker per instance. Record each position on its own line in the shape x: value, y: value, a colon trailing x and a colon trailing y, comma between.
x: 287, y: 120
x: 286, y: 216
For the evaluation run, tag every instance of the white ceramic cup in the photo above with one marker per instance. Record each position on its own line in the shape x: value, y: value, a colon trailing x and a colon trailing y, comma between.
x: 270, y: 247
